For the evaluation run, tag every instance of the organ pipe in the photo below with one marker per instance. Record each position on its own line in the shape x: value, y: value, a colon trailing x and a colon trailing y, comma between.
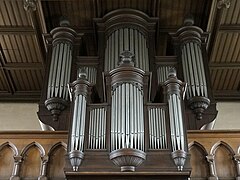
x: 162, y: 73
x: 79, y: 91
x: 157, y: 128
x: 97, y: 128
x: 91, y: 73
x: 178, y: 139
x: 60, y: 68
x: 126, y: 39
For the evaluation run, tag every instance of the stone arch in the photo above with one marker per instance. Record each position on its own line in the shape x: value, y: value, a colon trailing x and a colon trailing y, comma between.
x: 200, y: 166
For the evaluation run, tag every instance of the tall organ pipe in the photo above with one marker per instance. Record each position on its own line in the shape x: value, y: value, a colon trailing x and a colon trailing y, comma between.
x: 126, y: 39
x: 178, y: 139
x: 127, y: 122
x: 60, y: 68
x: 79, y: 91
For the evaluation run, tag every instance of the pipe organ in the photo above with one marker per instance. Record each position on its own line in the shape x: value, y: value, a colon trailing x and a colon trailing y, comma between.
x: 125, y: 133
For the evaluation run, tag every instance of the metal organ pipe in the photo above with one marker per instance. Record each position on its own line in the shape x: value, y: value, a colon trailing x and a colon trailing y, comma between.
x: 91, y: 73
x: 126, y: 39
x: 162, y: 73
x: 97, y: 128
x: 157, y: 130
x: 61, y: 60
x: 127, y: 129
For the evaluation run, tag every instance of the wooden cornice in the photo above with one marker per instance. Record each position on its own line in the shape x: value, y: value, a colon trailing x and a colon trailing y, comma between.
x: 230, y: 28
x: 25, y: 96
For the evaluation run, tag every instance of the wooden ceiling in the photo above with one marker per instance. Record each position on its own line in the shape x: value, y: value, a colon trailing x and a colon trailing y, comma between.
x: 23, y: 52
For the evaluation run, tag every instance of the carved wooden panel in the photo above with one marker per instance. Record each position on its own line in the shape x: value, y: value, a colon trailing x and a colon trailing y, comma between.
x: 221, y: 150
x: 56, y: 161
x: 225, y: 165
x: 6, y: 161
x: 198, y: 161
x: 31, y: 165
x: 224, y: 146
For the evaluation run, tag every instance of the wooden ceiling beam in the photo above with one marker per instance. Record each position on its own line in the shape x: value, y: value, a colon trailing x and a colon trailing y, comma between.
x: 224, y: 65
x: 226, y: 95
x: 230, y: 28
x: 214, y: 22
x: 6, y: 74
x: 12, y: 66
x: 17, y: 30
x: 26, y: 96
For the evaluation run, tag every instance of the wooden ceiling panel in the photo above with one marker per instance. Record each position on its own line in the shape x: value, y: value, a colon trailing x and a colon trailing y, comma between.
x: 225, y: 79
x: 226, y: 48
x: 12, y: 13
x: 177, y: 10
x: 19, y: 48
x: 22, y: 49
x: 3, y: 82
x: 27, y: 80
x: 80, y: 13
x: 232, y: 14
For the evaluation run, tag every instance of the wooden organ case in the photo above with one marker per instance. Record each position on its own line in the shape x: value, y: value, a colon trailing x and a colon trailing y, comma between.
x: 126, y: 110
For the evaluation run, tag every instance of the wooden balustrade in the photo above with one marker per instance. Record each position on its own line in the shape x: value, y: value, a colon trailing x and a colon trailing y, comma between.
x: 41, y: 155
x: 214, y: 154
x: 32, y: 155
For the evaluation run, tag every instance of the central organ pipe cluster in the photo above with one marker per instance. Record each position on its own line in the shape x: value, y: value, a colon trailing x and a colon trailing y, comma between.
x: 127, y: 119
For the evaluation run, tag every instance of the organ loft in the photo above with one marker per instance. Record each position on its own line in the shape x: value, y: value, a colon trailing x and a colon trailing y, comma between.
x: 126, y: 111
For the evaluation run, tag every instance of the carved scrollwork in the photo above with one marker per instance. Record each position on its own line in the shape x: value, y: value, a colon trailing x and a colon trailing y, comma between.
x: 30, y: 5
x: 223, y: 4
